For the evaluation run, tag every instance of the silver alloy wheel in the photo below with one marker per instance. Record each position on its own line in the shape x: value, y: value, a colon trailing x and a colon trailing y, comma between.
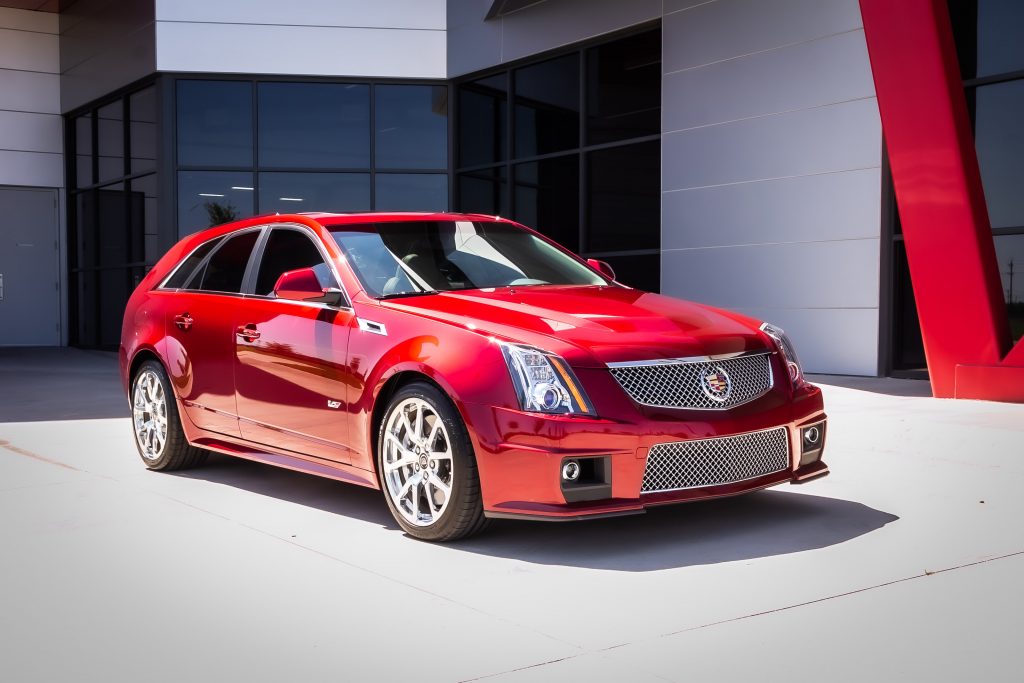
x: 418, y: 465
x: 149, y: 412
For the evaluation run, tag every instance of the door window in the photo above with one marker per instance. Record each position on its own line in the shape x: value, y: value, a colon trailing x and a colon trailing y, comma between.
x: 290, y: 250
x: 225, y: 270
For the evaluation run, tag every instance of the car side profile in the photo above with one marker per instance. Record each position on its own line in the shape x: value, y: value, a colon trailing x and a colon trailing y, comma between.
x: 465, y: 365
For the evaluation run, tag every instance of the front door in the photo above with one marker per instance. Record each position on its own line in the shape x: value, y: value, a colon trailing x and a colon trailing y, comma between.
x: 29, y: 290
x: 290, y: 357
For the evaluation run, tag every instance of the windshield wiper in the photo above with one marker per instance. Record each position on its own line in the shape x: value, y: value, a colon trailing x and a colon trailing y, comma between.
x: 401, y: 295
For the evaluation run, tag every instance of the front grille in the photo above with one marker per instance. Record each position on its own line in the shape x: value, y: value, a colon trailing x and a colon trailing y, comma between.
x: 709, y: 462
x: 683, y: 383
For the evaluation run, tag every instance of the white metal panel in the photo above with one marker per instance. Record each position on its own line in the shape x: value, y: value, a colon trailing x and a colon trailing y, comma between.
x: 829, y: 206
x: 25, y: 132
x: 809, y: 74
x: 29, y: 51
x: 29, y: 91
x: 37, y: 169
x: 328, y: 51
x: 132, y: 57
x: 25, y: 20
x: 424, y: 14
x: 839, y: 341
x: 837, y: 137
x: 832, y: 274
x: 729, y: 28
x: 553, y: 24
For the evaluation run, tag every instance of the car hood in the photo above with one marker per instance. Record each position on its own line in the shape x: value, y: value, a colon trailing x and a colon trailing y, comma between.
x: 592, y: 325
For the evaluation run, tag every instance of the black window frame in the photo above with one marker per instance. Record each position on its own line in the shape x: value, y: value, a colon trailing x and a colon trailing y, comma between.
x: 175, y: 168
x: 581, y: 151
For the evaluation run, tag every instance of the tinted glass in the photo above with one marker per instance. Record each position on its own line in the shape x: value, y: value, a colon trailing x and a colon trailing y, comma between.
x: 314, y: 125
x: 642, y: 271
x: 404, y: 258
x: 226, y: 268
x: 483, y: 113
x: 999, y: 137
x: 625, y: 198
x: 207, y: 198
x: 142, y: 110
x: 412, y: 192
x: 144, y: 219
x: 181, y: 275
x: 112, y: 234
x: 411, y: 126
x: 547, y: 112
x: 547, y: 198
x: 908, y: 348
x: 288, y: 250
x: 110, y: 140
x: 1010, y: 256
x: 624, y: 88
x: 214, y: 123
x: 292, y: 192
x: 484, y: 192
x: 987, y: 35
x: 83, y: 150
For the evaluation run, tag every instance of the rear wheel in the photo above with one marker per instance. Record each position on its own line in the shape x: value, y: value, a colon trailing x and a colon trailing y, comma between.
x: 157, y: 426
x: 427, y: 467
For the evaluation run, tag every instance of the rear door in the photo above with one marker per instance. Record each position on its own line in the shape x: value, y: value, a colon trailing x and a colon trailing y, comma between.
x: 290, y: 357
x: 200, y: 332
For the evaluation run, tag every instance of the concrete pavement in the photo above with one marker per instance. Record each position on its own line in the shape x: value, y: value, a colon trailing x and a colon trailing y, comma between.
x: 905, y: 564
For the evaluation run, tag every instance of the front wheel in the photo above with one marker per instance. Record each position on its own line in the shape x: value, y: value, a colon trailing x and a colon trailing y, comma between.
x: 157, y: 426
x: 427, y: 467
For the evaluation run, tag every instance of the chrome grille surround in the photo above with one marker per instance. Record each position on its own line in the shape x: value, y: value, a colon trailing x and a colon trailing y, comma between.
x: 680, y: 383
x: 697, y: 463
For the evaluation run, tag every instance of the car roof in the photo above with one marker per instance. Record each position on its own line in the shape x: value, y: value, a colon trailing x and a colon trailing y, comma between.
x: 329, y: 219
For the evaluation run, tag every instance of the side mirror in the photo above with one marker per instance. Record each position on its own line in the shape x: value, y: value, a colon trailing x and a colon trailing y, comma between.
x: 303, y: 285
x: 601, y: 267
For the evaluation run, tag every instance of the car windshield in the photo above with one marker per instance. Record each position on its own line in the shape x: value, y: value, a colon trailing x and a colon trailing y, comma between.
x: 420, y: 257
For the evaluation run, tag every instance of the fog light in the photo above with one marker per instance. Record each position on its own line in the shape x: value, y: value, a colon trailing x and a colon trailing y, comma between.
x: 571, y: 471
x: 813, y: 439
x: 812, y: 435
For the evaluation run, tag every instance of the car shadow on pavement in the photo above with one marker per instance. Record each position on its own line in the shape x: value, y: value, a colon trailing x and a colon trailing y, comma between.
x: 761, y: 524
x: 747, y: 527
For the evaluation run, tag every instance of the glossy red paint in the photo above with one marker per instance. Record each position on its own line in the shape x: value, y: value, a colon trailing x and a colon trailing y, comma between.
x: 301, y: 385
x: 942, y: 205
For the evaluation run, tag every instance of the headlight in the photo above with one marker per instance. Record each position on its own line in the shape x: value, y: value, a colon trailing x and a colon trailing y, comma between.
x: 543, y: 381
x: 788, y: 352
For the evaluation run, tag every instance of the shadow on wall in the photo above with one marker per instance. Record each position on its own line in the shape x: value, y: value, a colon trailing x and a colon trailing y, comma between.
x: 45, y: 384
x: 762, y: 524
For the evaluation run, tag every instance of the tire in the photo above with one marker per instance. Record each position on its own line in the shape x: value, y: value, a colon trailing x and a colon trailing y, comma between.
x: 422, y: 449
x: 156, y: 424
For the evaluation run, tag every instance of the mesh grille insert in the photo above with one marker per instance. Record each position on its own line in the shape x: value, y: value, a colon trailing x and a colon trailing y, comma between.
x: 686, y: 384
x: 708, y: 462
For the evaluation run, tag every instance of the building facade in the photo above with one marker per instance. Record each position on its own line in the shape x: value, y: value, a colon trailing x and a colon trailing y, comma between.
x: 729, y: 152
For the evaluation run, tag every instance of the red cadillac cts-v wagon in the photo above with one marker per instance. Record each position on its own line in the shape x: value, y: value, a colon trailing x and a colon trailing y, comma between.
x: 465, y: 365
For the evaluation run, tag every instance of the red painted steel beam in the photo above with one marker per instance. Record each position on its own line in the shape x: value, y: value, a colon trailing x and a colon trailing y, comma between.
x: 945, y: 221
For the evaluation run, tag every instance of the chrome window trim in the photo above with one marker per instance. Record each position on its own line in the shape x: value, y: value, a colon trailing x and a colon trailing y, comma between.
x: 688, y: 359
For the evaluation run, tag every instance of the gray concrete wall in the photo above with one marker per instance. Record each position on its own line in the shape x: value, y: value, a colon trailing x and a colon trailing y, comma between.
x: 771, y: 156
x: 31, y: 131
x: 104, y: 45
x: 384, y: 38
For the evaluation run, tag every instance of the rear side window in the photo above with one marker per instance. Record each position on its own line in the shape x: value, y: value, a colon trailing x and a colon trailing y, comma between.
x: 181, y: 275
x: 290, y: 250
x: 226, y: 268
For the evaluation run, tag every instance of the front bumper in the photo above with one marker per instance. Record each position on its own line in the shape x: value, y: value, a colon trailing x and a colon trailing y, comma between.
x: 520, y: 457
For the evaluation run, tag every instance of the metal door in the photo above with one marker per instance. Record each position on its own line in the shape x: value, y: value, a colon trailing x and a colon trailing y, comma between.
x: 29, y: 289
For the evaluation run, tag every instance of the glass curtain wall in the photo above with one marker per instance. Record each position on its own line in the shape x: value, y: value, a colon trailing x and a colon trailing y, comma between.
x: 112, y: 180
x: 571, y: 145
x: 257, y: 146
x: 991, y: 56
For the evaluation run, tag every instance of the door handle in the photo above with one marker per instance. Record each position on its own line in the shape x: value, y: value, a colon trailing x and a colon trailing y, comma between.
x: 248, y: 332
x: 184, y: 321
